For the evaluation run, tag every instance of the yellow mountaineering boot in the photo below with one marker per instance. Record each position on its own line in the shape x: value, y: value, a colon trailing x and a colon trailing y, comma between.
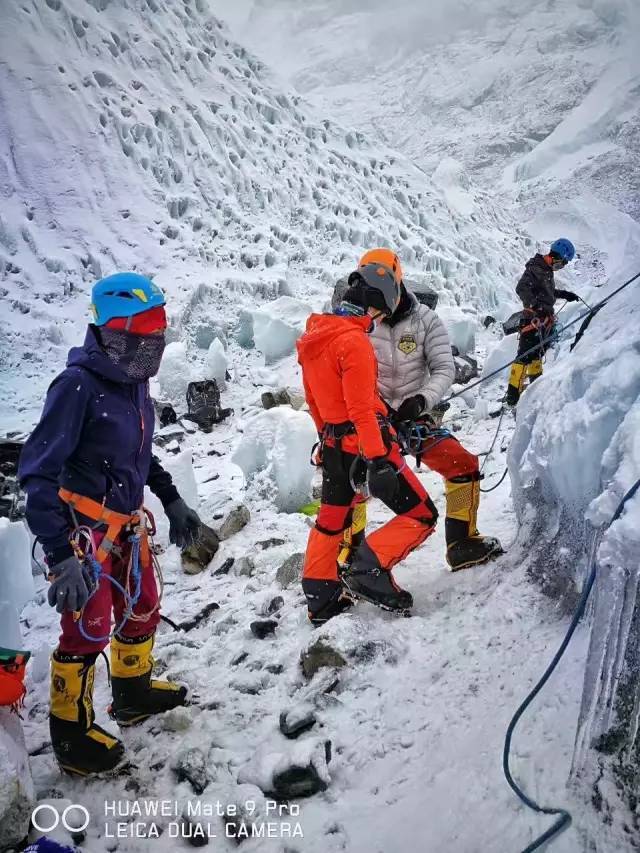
x: 534, y: 369
x: 136, y: 696
x: 465, y: 546
x: 80, y: 746
x: 516, y: 382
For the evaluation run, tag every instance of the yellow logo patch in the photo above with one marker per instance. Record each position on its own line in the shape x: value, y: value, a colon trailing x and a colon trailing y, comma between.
x: 407, y: 344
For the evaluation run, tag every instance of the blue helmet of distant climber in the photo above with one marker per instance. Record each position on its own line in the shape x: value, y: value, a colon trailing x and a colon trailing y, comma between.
x: 124, y: 295
x: 563, y: 250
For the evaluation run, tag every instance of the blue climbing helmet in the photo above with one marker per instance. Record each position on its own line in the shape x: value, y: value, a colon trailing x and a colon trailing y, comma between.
x: 564, y: 249
x: 124, y: 294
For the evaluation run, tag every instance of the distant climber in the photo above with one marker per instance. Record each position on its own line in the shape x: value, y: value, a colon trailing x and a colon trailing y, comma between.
x: 538, y: 293
x: 415, y: 370
x: 84, y: 469
x: 357, y: 444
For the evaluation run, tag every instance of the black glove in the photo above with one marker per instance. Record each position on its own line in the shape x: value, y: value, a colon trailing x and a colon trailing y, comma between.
x: 411, y: 408
x: 566, y: 294
x: 382, y: 477
x: 184, y: 524
x: 71, y: 584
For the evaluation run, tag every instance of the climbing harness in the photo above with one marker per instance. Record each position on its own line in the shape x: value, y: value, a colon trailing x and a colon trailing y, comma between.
x: 139, y: 528
x: 564, y: 819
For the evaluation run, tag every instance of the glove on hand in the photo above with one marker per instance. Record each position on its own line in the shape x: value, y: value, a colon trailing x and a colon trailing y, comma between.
x: 184, y: 524
x: 71, y: 584
x: 567, y: 294
x: 411, y: 408
x: 382, y: 477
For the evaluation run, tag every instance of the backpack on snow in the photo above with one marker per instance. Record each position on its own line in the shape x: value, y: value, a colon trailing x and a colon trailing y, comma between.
x: 203, y: 403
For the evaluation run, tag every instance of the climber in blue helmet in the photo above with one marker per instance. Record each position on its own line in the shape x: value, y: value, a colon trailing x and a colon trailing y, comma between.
x: 536, y: 288
x: 84, y: 469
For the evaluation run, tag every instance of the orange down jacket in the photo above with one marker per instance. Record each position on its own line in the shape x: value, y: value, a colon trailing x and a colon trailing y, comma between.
x: 339, y: 372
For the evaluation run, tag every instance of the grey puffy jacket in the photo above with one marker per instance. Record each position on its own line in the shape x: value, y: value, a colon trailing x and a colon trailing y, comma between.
x: 414, y: 356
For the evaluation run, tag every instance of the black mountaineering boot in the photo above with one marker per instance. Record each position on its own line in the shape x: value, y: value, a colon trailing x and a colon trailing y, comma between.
x: 325, y: 599
x: 367, y: 580
x: 136, y: 696
x: 80, y: 746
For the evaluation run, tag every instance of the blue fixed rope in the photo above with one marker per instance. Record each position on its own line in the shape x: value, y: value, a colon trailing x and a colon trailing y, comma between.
x: 130, y: 599
x: 564, y: 819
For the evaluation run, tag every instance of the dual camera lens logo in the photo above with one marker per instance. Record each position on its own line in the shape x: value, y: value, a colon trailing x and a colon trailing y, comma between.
x: 46, y: 817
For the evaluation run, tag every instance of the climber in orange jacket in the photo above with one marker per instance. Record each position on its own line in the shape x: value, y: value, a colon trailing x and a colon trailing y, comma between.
x: 359, y: 447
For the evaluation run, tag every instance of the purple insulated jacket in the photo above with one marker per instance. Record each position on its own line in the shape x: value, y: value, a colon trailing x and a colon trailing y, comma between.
x: 94, y: 437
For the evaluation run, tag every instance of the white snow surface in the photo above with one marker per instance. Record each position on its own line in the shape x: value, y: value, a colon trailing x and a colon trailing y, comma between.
x: 143, y: 136
x: 273, y: 454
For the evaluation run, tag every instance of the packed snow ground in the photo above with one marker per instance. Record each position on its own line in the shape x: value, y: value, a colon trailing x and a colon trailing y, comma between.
x: 418, y: 719
x: 199, y: 166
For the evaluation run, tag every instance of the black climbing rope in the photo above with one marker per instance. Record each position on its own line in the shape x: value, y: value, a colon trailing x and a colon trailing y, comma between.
x: 564, y: 819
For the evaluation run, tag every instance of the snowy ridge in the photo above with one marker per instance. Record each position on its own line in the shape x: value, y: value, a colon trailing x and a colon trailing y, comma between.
x: 531, y: 86
x: 141, y: 136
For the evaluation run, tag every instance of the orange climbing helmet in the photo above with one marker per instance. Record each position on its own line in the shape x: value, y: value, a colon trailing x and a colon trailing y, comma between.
x: 385, y: 258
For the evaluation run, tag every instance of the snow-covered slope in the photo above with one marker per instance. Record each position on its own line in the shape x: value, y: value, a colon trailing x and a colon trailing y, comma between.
x: 141, y: 136
x: 546, y: 88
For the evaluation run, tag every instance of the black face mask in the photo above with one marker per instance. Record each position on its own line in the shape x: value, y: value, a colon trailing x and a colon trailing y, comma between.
x: 138, y: 356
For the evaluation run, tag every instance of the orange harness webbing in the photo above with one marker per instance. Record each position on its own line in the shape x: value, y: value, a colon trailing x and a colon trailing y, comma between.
x: 113, y: 521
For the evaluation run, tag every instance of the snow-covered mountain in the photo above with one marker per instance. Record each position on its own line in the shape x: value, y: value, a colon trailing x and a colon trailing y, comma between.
x: 547, y: 88
x: 141, y: 134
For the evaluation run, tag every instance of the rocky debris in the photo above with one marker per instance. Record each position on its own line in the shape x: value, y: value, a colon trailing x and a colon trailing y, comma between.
x: 168, y: 435
x: 466, y: 367
x: 271, y: 399
x: 290, y: 571
x: 197, y: 557
x: 17, y: 797
x: 295, y: 721
x: 488, y: 321
x: 203, y: 614
x: 239, y: 658
x: 237, y: 518
x: 320, y: 654
x: 300, y: 772
x: 262, y: 628
x: 273, y: 606
x: 245, y: 567
x: 226, y: 567
x: 191, y: 766
x: 282, y: 397
x: 274, y: 542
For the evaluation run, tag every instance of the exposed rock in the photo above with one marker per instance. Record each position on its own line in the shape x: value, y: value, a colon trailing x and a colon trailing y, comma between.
x: 488, y: 321
x: 318, y: 655
x: 274, y: 542
x: 191, y: 766
x: 225, y: 568
x: 291, y: 570
x: 271, y: 399
x: 276, y: 604
x: 261, y: 628
x: 466, y: 369
x: 197, y: 557
x: 237, y: 518
x: 296, y: 721
x: 239, y: 658
x: 245, y: 567
x: 300, y: 780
